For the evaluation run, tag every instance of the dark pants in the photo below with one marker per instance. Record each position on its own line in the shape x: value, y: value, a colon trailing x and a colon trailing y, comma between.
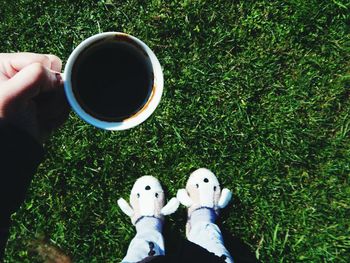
x: 189, y: 252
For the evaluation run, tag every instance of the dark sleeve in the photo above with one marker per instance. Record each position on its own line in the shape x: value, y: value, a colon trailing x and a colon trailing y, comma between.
x: 20, y: 156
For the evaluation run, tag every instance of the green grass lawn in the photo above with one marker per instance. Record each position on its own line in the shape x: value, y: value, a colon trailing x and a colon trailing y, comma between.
x: 256, y: 91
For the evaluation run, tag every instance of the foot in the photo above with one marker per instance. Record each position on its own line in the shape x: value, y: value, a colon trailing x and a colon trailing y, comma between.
x: 147, y: 200
x: 203, y: 197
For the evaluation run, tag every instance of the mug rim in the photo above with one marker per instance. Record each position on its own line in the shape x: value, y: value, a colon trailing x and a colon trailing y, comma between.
x: 140, y: 116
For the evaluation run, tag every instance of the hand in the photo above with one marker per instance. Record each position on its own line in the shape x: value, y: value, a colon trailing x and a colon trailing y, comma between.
x: 31, y: 92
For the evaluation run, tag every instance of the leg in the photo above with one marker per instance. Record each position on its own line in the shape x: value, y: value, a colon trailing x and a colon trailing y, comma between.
x: 147, y: 213
x: 148, y: 241
x: 204, y: 198
x: 205, y: 233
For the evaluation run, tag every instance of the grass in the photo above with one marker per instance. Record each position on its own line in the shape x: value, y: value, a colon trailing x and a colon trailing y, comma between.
x: 256, y: 91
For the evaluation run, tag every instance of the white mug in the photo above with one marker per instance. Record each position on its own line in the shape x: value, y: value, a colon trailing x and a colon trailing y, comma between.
x: 141, y: 115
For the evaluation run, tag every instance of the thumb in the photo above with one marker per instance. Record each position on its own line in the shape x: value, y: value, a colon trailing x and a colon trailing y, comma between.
x: 31, y: 81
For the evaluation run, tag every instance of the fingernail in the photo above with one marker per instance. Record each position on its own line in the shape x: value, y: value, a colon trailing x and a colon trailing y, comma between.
x: 59, y: 78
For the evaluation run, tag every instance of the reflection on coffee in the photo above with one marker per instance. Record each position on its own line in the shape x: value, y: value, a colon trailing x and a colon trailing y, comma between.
x: 112, y: 79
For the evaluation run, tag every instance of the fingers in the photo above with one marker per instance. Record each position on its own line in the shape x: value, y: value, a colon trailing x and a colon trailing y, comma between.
x: 22, y: 59
x: 56, y: 63
x: 30, y: 81
x: 15, y: 62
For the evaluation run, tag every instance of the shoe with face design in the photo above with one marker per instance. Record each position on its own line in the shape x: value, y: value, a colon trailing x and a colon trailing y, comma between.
x: 147, y: 200
x: 203, y: 191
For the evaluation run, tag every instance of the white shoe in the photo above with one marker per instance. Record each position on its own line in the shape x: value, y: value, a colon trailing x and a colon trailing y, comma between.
x: 203, y: 191
x: 147, y: 200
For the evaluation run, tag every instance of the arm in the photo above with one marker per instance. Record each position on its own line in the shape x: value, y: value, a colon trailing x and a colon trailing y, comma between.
x: 32, y: 104
x: 20, y: 155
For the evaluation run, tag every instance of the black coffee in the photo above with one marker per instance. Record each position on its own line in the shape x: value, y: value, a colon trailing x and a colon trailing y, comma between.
x: 113, y: 79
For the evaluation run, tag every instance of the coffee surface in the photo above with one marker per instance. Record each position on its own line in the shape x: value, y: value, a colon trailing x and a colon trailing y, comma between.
x: 112, y: 80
